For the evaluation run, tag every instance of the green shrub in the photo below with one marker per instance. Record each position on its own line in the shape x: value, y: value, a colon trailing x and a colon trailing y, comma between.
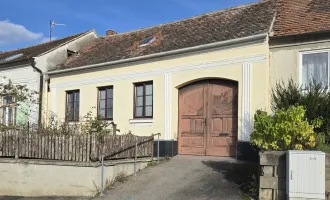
x: 315, y: 99
x: 321, y: 143
x: 287, y: 129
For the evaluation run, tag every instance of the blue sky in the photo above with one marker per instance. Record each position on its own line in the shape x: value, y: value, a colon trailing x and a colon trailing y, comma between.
x: 26, y: 22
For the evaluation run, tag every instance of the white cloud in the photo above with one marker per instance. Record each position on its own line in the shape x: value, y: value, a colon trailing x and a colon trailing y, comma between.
x: 46, y: 39
x: 11, y: 33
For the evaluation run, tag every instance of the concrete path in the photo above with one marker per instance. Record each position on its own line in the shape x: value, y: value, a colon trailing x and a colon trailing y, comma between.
x: 184, y: 178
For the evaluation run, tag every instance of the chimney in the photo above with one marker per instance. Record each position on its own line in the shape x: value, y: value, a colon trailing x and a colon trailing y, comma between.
x: 110, y: 32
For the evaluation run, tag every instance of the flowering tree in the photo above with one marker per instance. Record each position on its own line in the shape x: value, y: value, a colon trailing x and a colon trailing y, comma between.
x: 16, y: 100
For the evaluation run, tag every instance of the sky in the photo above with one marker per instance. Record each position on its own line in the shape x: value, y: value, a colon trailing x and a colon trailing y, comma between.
x: 26, y: 22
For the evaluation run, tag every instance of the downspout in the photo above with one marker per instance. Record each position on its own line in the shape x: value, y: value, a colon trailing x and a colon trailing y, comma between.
x: 41, y: 84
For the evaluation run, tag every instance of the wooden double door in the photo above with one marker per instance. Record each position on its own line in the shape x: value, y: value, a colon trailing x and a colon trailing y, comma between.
x: 208, y: 118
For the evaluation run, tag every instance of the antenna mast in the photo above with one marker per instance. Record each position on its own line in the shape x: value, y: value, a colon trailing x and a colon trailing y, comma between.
x: 51, y: 25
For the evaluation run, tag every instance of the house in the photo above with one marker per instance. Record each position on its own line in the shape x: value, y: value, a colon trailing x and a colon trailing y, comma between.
x: 197, y: 81
x: 300, y: 42
x: 26, y: 67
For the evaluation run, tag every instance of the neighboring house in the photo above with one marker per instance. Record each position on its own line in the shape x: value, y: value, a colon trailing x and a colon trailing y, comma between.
x: 197, y: 81
x: 300, y: 42
x: 26, y: 67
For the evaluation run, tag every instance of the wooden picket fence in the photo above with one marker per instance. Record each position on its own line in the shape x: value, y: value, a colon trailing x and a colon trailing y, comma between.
x: 82, y: 148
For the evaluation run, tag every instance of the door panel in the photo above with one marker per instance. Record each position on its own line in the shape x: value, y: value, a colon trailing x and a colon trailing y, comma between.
x: 192, y: 120
x: 208, y: 118
x: 222, y: 112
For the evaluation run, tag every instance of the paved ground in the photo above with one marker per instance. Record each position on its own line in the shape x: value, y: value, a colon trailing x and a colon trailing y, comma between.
x: 183, y: 178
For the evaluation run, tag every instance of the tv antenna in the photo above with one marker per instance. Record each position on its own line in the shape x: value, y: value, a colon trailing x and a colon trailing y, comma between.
x: 51, y: 25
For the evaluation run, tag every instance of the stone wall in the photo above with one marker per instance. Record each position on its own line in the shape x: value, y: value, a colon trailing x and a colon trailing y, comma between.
x: 59, y: 178
x: 273, y: 175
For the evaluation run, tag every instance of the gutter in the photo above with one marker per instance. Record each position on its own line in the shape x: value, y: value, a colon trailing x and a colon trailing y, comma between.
x: 168, y: 53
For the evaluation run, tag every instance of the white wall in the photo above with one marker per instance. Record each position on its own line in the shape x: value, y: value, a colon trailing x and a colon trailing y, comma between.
x: 58, y: 178
x: 23, y: 75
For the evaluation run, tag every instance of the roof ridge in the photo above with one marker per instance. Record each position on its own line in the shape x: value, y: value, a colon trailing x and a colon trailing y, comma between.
x: 21, y: 49
x: 189, y: 18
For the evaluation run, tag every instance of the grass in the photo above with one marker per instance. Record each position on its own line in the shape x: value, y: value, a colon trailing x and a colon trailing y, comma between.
x: 120, y: 178
x: 151, y: 164
x: 250, y: 188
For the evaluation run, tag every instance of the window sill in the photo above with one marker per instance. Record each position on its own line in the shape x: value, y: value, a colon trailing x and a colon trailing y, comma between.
x: 141, y: 122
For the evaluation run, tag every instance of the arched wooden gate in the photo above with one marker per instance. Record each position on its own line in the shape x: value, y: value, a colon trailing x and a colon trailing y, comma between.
x: 208, y: 117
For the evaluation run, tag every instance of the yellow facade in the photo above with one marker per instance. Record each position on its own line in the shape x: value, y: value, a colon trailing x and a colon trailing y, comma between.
x: 285, y: 60
x: 247, y: 64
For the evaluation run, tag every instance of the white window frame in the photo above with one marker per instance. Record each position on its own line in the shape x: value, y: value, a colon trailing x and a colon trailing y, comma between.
x: 5, y: 115
x: 312, y: 52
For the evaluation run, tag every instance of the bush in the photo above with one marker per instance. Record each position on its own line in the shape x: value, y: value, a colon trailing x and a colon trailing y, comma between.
x: 315, y: 99
x: 287, y: 129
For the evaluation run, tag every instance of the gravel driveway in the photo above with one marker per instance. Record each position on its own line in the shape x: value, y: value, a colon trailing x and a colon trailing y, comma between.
x: 184, y: 177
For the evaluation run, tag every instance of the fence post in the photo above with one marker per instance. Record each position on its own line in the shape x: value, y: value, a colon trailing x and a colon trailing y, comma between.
x: 158, y: 150
x: 114, y: 128
x: 94, y: 155
x: 17, y: 144
x: 135, y: 159
x: 152, y: 147
x: 102, y: 175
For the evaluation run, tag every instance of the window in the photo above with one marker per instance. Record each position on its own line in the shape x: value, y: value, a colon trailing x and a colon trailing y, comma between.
x: 70, y: 53
x: 8, y: 111
x: 72, y: 105
x: 147, y: 41
x: 315, y: 67
x: 143, y: 100
x: 105, y: 106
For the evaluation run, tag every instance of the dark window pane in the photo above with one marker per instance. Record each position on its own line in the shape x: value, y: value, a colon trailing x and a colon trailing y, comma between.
x: 109, y: 93
x: 139, y: 101
x: 148, y: 100
x: 102, y: 94
x: 70, y: 97
x: 139, y: 90
x: 143, y: 100
x: 109, y: 103
x: 138, y: 112
x: 76, y: 115
x: 148, y: 111
x: 69, y: 114
x: 102, y: 104
x: 10, y: 115
x: 102, y: 113
x: 148, y: 89
x: 72, y: 107
x: 109, y: 113
x: 77, y: 96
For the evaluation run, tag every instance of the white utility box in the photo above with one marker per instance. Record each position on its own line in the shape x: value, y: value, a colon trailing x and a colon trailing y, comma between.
x: 305, y: 175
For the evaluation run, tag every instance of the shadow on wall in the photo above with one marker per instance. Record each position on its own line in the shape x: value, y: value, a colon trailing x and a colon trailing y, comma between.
x: 245, y: 151
x: 240, y: 173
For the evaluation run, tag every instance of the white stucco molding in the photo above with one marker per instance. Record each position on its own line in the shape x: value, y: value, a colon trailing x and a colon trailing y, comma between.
x: 168, y: 106
x: 246, y: 101
x: 141, y: 122
x: 132, y: 75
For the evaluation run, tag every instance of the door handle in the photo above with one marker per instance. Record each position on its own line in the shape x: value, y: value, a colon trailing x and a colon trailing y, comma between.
x: 223, y: 134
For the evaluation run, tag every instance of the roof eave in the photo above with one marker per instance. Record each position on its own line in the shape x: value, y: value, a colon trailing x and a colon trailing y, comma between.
x: 167, y: 53
x: 19, y: 63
